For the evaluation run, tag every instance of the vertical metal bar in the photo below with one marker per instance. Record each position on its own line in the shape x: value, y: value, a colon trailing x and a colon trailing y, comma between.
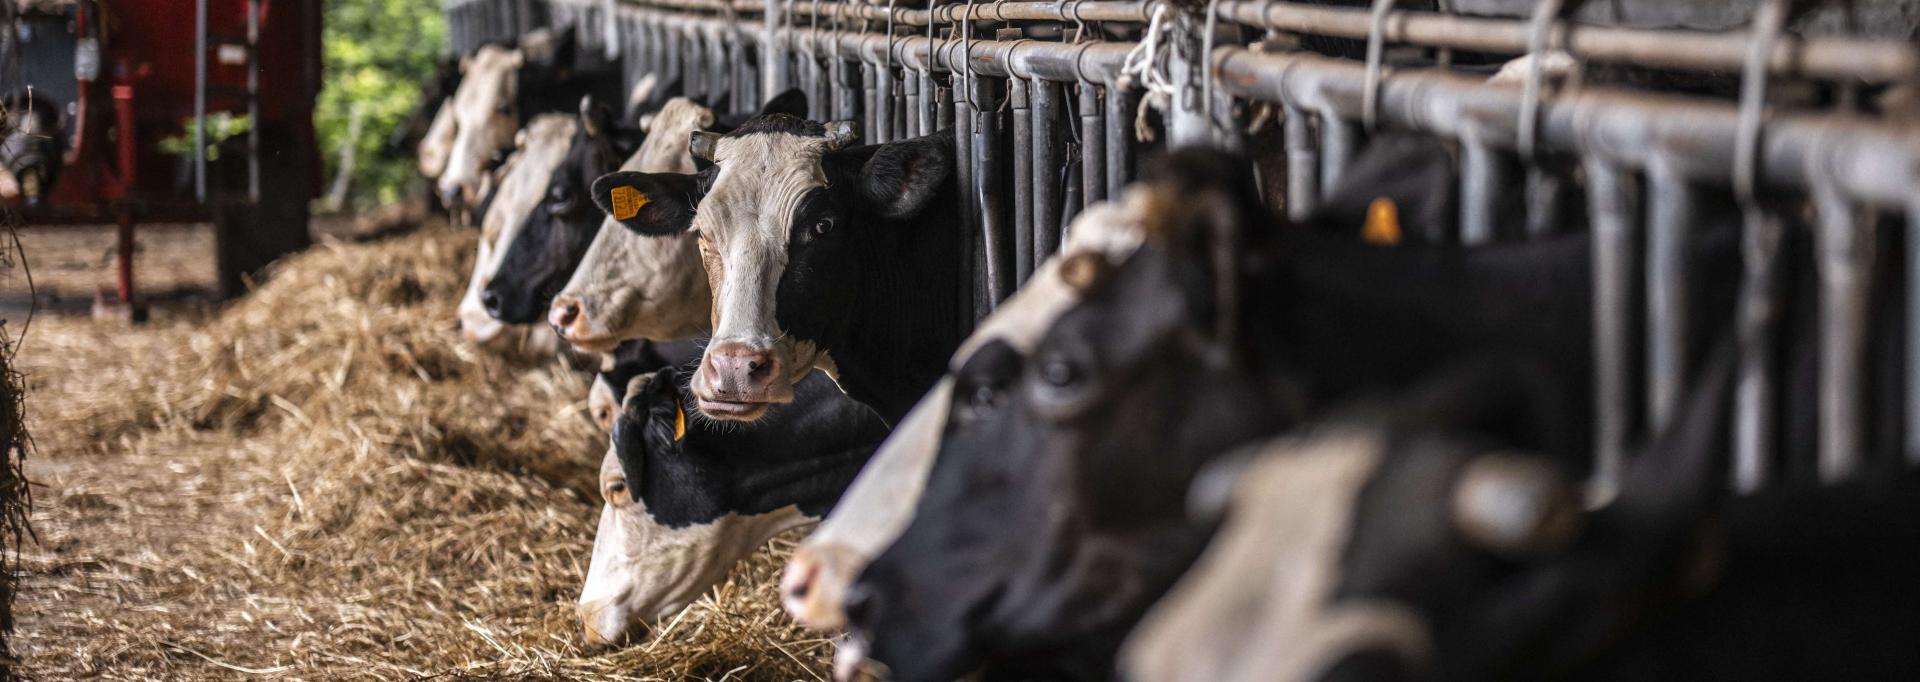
x: 944, y: 115
x: 1049, y: 158
x: 910, y: 86
x: 719, y: 68
x: 1303, y: 164
x: 1093, y: 146
x: 773, y: 56
x: 1671, y: 215
x: 929, y: 109
x: 1912, y: 429
x: 990, y: 173
x: 1119, y: 127
x: 846, y: 91
x: 253, y: 100
x: 1483, y: 176
x: 870, y: 105
x: 1845, y: 250
x: 1613, y: 209
x: 199, y: 100
x: 883, y: 126
x: 1338, y: 140
x: 1022, y: 180
x: 966, y: 158
x: 1754, y: 397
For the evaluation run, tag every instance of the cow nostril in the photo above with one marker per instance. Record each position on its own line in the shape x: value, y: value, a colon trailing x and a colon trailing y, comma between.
x: 564, y: 314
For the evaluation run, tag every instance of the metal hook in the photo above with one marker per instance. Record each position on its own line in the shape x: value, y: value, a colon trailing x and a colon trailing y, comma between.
x: 966, y: 57
x: 1768, y: 21
x: 888, y: 61
x: 1206, y: 66
x: 1376, y: 44
x: 1545, y: 15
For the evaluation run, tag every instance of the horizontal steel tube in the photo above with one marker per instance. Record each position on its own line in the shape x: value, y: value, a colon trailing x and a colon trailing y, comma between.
x: 1868, y: 161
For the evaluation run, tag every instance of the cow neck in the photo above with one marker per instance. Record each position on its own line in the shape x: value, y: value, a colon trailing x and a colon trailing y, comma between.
x: 905, y: 323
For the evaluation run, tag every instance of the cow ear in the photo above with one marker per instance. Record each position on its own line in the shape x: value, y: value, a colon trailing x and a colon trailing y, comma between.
x: 654, y: 204
x: 793, y: 103
x: 595, y: 119
x: 903, y: 177
x: 840, y: 134
x: 701, y: 144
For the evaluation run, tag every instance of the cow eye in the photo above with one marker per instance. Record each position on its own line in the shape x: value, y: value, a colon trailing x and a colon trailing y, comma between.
x: 1063, y: 389
x: 1059, y: 373
x: 616, y: 492
x: 984, y: 397
x: 822, y: 227
x: 503, y: 109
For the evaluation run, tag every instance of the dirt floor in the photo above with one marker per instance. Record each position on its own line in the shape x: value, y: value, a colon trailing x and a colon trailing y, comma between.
x: 321, y: 482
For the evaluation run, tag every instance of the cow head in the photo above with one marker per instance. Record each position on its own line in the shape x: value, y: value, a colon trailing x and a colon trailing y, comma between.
x: 670, y: 528
x: 881, y: 501
x: 482, y: 120
x: 556, y: 232
x: 1054, y: 512
x: 521, y: 189
x: 489, y: 105
x: 630, y: 285
x: 782, y: 218
x: 1428, y: 540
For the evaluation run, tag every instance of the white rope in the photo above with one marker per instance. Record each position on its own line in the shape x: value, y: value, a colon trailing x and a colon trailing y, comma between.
x: 1146, y: 68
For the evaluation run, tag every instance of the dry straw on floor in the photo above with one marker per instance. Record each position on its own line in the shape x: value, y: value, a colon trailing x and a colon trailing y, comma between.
x: 322, y: 483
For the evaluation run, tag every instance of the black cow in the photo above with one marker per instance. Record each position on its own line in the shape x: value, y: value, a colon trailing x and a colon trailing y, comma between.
x: 1054, y: 513
x: 687, y: 498
x: 819, y: 255
x: 631, y: 359
x: 545, y: 251
x: 1424, y: 539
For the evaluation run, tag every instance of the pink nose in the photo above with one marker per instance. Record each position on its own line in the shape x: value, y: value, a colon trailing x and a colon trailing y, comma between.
x: 740, y: 374
x: 563, y: 314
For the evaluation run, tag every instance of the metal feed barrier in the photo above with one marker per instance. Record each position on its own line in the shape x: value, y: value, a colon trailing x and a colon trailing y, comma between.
x: 1044, y: 99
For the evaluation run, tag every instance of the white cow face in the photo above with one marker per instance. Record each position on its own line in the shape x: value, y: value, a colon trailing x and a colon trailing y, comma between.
x: 645, y: 570
x: 483, y: 120
x: 634, y: 286
x: 522, y: 184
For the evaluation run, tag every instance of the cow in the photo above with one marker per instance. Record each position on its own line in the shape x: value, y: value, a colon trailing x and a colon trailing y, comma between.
x: 687, y: 498
x: 501, y: 90
x: 629, y: 360
x: 627, y: 285
x: 818, y: 255
x: 541, y: 149
x: 1053, y: 515
x: 1419, y: 540
x: 880, y: 501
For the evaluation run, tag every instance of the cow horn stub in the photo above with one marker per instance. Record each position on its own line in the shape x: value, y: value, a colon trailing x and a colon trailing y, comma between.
x: 1084, y: 271
x: 1515, y: 506
x: 701, y: 143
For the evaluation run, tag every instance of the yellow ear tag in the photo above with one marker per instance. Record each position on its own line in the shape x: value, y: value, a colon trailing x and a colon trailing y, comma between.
x: 626, y: 202
x: 1383, y: 223
x: 679, y: 423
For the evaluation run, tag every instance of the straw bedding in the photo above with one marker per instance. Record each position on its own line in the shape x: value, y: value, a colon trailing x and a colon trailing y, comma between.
x: 321, y: 482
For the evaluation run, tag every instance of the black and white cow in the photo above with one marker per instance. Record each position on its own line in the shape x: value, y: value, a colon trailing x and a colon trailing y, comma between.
x: 555, y: 231
x: 1419, y: 540
x: 687, y: 498
x: 502, y: 89
x: 818, y: 256
x: 519, y: 191
x: 630, y: 285
x: 629, y: 360
x: 880, y: 502
x: 1055, y: 511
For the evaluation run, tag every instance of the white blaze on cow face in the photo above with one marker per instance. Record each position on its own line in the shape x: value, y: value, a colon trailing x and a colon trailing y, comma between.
x: 643, y: 572
x: 437, y: 144
x: 483, y: 120
x: 524, y: 181
x: 634, y: 286
x: 743, y: 223
x: 1260, y: 603
x: 879, y: 504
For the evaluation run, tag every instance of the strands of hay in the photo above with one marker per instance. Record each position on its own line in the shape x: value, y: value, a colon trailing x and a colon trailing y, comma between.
x: 324, y: 483
x: 15, y: 498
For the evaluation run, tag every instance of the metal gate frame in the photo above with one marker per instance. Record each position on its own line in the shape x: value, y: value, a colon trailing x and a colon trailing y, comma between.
x: 1022, y: 108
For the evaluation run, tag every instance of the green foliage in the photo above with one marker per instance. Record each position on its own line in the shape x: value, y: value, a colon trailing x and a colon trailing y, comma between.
x: 379, y: 54
x: 220, y: 126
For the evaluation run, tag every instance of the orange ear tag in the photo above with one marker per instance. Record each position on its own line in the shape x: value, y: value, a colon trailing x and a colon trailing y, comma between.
x: 1383, y: 223
x: 679, y: 423
x: 626, y: 202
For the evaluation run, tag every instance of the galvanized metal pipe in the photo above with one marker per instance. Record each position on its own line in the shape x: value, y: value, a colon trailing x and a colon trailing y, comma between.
x: 1020, y: 98
x: 869, y: 102
x: 1754, y: 396
x: 1093, y: 146
x: 846, y: 91
x: 990, y: 182
x: 1874, y: 61
x: 1483, y: 178
x: 910, y: 85
x: 966, y: 160
x: 883, y: 118
x: 1049, y: 158
x: 1845, y: 258
x: 1303, y: 163
x: 1339, y: 139
x: 1913, y: 332
x: 1119, y: 126
x: 1671, y: 216
x: 1613, y: 208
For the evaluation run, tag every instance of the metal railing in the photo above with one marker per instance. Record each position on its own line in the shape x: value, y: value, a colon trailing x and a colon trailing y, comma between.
x: 1044, y: 100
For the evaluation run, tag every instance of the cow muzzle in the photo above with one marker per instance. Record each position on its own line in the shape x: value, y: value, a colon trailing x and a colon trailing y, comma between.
x: 738, y: 382
x: 573, y: 320
x: 604, y: 624
x: 814, y: 585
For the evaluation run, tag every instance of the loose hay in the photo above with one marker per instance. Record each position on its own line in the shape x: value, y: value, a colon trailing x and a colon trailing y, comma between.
x: 14, y: 495
x: 324, y: 483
